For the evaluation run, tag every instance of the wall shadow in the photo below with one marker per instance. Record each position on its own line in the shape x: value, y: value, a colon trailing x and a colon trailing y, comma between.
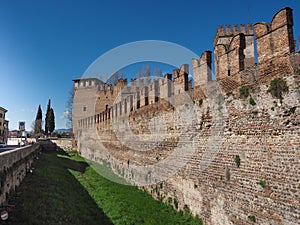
x: 52, y: 195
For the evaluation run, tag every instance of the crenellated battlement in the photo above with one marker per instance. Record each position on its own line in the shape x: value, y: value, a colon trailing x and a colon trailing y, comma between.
x: 234, y: 61
x: 233, y: 50
x: 87, y: 83
x: 275, y: 41
x: 232, y: 30
x: 202, y: 70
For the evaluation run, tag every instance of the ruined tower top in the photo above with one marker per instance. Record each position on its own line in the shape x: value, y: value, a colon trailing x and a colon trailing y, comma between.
x: 231, y: 31
x: 233, y: 50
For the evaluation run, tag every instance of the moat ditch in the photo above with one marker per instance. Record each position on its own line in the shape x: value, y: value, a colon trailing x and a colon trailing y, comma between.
x: 64, y: 189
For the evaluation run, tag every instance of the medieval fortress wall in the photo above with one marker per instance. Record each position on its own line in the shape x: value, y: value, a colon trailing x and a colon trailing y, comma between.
x: 227, y: 150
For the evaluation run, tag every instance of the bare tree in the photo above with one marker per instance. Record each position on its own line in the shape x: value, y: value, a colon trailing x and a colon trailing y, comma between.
x: 121, y: 75
x: 69, y: 109
x: 157, y: 72
x: 145, y: 72
x: 113, y: 79
x: 105, y: 77
x: 36, y: 125
x: 137, y: 75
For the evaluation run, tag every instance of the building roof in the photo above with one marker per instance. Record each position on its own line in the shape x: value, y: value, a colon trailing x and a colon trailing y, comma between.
x: 1, y: 108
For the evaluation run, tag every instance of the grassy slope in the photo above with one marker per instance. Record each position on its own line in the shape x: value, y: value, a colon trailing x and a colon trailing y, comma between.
x: 64, y: 190
x: 52, y: 195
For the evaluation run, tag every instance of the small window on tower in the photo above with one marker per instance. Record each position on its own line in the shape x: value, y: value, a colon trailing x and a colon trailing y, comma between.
x: 84, y: 108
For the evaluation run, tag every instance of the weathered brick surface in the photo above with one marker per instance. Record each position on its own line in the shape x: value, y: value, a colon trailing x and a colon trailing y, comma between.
x: 210, y: 136
x: 234, y: 50
x: 202, y: 70
x: 275, y: 41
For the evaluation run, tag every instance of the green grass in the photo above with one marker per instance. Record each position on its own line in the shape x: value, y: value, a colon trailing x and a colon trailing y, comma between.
x: 52, y: 195
x: 200, y: 102
x: 66, y: 190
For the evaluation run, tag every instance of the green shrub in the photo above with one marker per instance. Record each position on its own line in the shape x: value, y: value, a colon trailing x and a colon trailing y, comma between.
x: 237, y: 160
x: 277, y: 87
x: 245, y: 91
x: 229, y: 93
x: 161, y: 185
x: 262, y: 183
x: 293, y: 109
x: 252, y: 218
x: 200, y: 102
x: 251, y: 101
x: 175, y: 203
x: 255, y: 112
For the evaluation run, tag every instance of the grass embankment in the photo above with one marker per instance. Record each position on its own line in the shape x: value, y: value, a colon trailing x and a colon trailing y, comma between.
x: 66, y: 190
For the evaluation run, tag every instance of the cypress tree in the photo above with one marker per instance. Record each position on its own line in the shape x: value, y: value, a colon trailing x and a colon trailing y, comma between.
x: 39, y: 113
x: 47, y: 117
x: 51, y: 121
x: 38, y: 121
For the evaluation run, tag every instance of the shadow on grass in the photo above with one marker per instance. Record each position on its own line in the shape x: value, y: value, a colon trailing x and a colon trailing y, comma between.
x: 52, y: 195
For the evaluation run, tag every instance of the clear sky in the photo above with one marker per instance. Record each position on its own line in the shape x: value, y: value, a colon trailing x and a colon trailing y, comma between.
x: 46, y: 44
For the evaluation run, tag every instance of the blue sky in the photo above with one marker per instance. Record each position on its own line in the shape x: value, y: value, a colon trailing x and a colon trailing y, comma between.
x: 46, y: 44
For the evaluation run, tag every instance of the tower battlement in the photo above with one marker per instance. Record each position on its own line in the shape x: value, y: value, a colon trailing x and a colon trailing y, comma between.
x: 232, y: 30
